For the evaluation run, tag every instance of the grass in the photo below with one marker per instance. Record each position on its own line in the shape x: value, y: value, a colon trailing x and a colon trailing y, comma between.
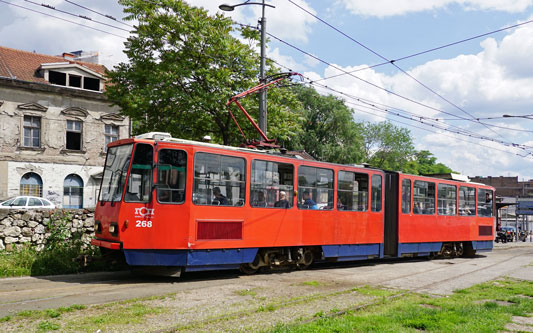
x: 126, y: 314
x: 100, y: 317
x: 17, y: 263
x: 246, y: 292
x: 59, y: 256
x: 470, y: 310
x: 26, y: 261
x: 311, y: 283
x: 267, y: 308
x: 43, y: 314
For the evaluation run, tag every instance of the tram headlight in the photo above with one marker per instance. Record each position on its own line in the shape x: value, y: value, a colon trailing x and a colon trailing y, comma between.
x: 113, y: 228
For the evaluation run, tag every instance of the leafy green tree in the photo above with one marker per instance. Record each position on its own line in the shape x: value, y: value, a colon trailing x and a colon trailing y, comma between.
x: 424, y: 163
x: 329, y: 132
x: 182, y: 67
x: 387, y: 146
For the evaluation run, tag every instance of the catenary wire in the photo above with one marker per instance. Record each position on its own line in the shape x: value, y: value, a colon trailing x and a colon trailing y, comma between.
x: 75, y: 15
x: 432, y: 49
x: 76, y: 23
x: 413, y: 115
x: 98, y: 13
x: 395, y: 65
x: 370, y: 83
x: 62, y: 19
x: 416, y: 119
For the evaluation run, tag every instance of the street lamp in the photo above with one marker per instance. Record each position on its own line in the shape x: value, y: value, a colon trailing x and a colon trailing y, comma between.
x: 262, y: 93
x: 526, y: 116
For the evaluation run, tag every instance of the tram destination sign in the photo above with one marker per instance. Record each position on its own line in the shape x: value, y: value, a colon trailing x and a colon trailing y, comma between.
x: 524, y: 207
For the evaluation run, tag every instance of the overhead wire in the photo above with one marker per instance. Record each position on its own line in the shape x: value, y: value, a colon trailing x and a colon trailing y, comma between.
x: 392, y: 62
x: 75, y: 15
x: 3, y: 1
x: 98, y: 13
x: 433, y: 49
x: 63, y: 19
x: 434, y: 126
x: 416, y: 102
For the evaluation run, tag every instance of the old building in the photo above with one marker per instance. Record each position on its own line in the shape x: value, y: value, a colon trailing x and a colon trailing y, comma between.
x: 507, y: 186
x: 509, y: 191
x: 54, y: 126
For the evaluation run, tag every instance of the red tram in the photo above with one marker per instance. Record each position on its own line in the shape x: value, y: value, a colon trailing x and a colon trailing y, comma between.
x: 191, y: 206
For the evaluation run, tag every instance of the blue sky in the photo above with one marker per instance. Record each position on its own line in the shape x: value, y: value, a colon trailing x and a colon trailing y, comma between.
x: 486, y: 77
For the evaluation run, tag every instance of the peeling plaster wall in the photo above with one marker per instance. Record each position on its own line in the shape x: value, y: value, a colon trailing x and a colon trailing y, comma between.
x: 53, y: 176
x: 3, y: 179
x: 53, y: 127
x: 52, y: 161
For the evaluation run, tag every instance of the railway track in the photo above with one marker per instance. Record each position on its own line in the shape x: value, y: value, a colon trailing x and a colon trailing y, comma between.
x: 431, y: 276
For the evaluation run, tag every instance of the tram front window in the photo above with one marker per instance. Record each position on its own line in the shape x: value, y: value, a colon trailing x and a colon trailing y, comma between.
x: 116, y: 169
x: 140, y: 178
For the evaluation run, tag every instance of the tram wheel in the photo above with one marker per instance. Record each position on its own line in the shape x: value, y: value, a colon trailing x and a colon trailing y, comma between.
x: 447, y: 250
x: 307, y: 260
x: 247, y: 269
x: 459, y: 249
x: 469, y: 251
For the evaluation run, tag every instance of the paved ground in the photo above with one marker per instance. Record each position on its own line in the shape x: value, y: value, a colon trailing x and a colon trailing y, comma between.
x: 217, y: 288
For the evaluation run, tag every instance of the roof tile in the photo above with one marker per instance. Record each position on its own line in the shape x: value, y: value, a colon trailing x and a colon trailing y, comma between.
x: 24, y: 65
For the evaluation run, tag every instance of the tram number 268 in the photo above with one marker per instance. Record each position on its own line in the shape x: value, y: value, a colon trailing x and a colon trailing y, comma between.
x: 143, y: 224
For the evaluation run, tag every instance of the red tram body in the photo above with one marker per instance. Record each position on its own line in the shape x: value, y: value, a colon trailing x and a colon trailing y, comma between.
x: 197, y: 206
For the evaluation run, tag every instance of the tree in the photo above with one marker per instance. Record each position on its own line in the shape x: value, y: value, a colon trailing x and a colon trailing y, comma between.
x: 329, y: 132
x: 183, y: 66
x: 387, y: 146
x: 425, y: 163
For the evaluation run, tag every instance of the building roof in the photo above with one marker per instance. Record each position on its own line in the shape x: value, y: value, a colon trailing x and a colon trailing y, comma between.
x: 24, y: 66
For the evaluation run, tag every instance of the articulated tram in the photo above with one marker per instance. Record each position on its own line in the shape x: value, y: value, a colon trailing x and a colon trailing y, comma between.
x: 191, y: 206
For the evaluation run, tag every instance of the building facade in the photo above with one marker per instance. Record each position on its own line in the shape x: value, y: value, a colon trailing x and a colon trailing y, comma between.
x: 507, y: 186
x: 55, y: 124
x: 509, y: 191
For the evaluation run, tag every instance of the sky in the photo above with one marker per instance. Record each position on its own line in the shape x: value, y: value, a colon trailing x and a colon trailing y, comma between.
x: 451, y: 99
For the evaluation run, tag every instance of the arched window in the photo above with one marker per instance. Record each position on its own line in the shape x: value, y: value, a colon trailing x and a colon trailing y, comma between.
x: 73, y: 192
x: 31, y: 184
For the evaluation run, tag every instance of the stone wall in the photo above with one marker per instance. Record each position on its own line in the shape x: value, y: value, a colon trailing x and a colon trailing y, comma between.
x: 20, y: 227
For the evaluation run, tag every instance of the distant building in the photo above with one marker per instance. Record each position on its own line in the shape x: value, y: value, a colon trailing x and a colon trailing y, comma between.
x: 507, y: 186
x: 54, y: 126
x: 508, y: 190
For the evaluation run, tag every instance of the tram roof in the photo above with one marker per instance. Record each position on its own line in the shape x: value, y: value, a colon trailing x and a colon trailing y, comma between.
x: 167, y: 137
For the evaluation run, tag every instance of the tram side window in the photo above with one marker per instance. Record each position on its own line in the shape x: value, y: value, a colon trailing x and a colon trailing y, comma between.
x: 423, y: 197
x: 315, y: 188
x: 272, y: 184
x: 376, y: 193
x: 140, y: 178
x: 484, y: 202
x: 219, y: 180
x: 406, y: 196
x: 352, y: 191
x: 446, y: 199
x: 467, y: 201
x: 171, y: 176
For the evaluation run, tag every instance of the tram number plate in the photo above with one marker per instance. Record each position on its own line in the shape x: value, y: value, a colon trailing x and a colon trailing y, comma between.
x: 143, y: 224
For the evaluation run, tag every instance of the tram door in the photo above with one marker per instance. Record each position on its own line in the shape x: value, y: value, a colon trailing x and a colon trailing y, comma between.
x: 391, y: 214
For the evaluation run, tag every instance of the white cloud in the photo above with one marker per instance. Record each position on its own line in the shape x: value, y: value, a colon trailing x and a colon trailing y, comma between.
x: 384, y: 8
x: 491, y: 83
x: 286, y: 21
x: 284, y: 60
x: 32, y: 31
x: 312, y: 62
